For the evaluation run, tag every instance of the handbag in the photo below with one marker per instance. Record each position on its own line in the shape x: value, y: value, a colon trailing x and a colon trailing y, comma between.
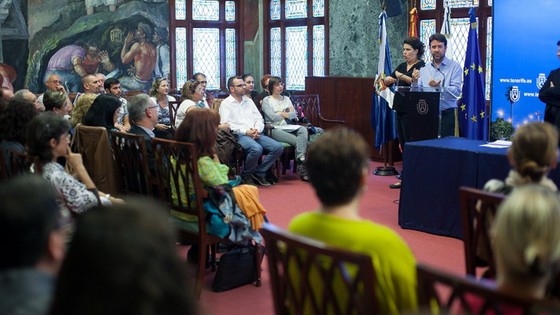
x: 237, y: 267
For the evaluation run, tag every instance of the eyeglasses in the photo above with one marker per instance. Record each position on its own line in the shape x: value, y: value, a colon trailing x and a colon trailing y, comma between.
x: 202, y: 82
x: 249, y: 82
x: 241, y: 85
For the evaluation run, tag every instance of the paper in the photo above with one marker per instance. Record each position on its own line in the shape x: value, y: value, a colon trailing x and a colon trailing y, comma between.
x: 288, y: 127
x: 497, y: 144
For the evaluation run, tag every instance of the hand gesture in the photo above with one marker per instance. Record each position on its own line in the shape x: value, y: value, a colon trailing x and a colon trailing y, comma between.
x: 74, y: 160
x: 104, y: 56
x: 129, y: 38
x: 415, y: 75
x: 434, y: 83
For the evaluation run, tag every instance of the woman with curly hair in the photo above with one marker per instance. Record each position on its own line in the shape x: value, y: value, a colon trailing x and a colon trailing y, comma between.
x: 192, y: 94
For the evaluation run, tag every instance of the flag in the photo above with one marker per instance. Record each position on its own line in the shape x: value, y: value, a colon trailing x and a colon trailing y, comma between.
x: 382, y: 117
x: 446, y: 28
x: 413, y: 25
x: 473, y: 119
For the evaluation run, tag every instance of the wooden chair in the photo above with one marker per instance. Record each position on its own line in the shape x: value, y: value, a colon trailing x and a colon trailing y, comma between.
x: 310, y: 277
x: 310, y: 107
x: 173, y: 107
x: 478, y: 210
x: 454, y: 294
x: 132, y: 163
x: 183, y: 177
x: 14, y: 163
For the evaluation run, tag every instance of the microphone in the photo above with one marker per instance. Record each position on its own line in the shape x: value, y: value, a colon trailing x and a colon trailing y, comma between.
x: 443, y: 74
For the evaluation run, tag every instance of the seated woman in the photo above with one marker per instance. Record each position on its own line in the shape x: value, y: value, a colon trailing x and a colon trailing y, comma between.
x: 200, y: 127
x: 104, y: 112
x: 527, y: 241
x: 57, y: 102
x: 14, y: 121
x: 338, y: 170
x: 192, y: 94
x: 278, y: 108
x: 106, y: 270
x: 159, y: 93
x: 48, y: 139
x: 532, y: 155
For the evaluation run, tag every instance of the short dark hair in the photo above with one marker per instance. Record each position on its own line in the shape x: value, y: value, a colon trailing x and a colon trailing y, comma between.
x: 439, y: 37
x: 246, y: 75
x: 417, y: 44
x: 335, y: 163
x: 41, y: 130
x: 28, y: 214
x: 123, y: 260
x: 54, y: 99
x: 109, y: 82
x: 272, y: 82
x: 15, y: 120
x: 230, y: 80
x: 196, y: 75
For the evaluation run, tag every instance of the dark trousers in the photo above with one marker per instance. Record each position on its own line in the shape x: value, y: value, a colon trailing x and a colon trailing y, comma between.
x: 447, y: 123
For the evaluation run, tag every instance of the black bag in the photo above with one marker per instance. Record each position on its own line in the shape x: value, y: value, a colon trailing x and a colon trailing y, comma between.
x: 237, y: 267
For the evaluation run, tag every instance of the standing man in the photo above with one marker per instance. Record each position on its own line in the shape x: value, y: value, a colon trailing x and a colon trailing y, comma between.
x: 163, y: 62
x: 550, y: 95
x: 92, y: 86
x: 247, y: 123
x: 113, y: 86
x: 137, y: 47
x: 446, y: 76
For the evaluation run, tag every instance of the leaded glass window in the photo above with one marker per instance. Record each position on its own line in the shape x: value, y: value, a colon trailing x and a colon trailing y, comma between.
x: 181, y: 55
x: 296, y: 9
x: 230, y: 11
x: 457, y: 42
x: 180, y: 9
x: 275, y: 9
x: 206, y: 10
x: 318, y: 8
x: 231, y: 55
x: 427, y: 28
x: 276, y: 52
x: 296, y: 57
x: 318, y: 50
x: 462, y: 3
x: 206, y: 55
x: 428, y: 4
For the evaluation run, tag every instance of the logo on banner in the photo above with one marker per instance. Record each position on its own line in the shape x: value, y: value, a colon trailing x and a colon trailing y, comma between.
x: 541, y: 79
x: 514, y: 94
x: 422, y: 107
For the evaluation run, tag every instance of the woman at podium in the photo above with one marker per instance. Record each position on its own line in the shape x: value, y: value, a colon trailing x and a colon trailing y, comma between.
x: 413, y: 50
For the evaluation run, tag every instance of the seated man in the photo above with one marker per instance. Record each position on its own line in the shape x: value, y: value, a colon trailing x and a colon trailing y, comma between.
x: 83, y: 101
x: 113, y: 86
x: 247, y: 124
x: 32, y: 245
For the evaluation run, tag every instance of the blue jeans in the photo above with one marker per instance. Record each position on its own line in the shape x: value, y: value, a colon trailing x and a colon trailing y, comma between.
x: 254, y: 150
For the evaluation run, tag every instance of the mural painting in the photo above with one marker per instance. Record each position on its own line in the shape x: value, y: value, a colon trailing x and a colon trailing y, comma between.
x: 126, y: 40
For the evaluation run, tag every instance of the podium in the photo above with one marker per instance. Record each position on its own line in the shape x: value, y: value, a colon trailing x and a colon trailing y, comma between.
x: 423, y: 115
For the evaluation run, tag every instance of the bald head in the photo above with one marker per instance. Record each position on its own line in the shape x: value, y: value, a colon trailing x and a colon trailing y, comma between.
x: 91, y: 83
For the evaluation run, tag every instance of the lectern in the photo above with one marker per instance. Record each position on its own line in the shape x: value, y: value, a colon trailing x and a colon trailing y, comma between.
x: 422, y: 109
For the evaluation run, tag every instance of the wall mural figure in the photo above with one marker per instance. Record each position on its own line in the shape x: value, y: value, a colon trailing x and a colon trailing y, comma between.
x: 139, y: 49
x: 163, y: 62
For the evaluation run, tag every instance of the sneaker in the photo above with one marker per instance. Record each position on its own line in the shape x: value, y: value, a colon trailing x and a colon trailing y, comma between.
x: 302, y: 172
x: 270, y: 177
x: 248, y: 180
x: 260, y: 180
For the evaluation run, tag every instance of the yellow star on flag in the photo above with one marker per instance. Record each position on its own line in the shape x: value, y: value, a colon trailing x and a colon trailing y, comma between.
x: 473, y: 66
x: 463, y: 107
x: 482, y: 115
x: 473, y: 118
x: 480, y: 69
x: 466, y: 72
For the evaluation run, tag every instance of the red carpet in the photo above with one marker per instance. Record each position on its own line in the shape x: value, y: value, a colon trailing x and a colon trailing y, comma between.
x: 292, y: 196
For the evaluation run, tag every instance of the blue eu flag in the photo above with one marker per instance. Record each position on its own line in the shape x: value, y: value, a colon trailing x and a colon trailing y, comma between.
x: 473, y: 119
x: 382, y: 116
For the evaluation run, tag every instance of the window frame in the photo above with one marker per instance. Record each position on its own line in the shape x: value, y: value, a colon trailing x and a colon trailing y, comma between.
x: 189, y: 24
x: 283, y: 23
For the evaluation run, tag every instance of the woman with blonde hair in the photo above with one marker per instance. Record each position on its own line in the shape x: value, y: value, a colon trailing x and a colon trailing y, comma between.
x: 527, y: 241
x: 160, y: 95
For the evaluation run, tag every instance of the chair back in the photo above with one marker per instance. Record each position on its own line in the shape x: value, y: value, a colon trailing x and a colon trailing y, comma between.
x: 14, y: 163
x: 308, y: 106
x: 173, y: 107
x: 454, y: 294
x: 310, y: 277
x: 132, y: 163
x: 176, y: 171
x: 478, y: 210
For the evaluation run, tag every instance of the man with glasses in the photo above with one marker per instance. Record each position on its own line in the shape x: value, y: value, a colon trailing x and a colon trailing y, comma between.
x: 53, y: 83
x: 247, y: 123
x: 206, y: 100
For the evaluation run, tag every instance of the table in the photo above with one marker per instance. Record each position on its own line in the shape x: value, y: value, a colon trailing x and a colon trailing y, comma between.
x: 433, y: 172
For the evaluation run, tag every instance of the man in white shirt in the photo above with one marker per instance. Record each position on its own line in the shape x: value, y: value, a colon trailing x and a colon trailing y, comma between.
x: 247, y: 123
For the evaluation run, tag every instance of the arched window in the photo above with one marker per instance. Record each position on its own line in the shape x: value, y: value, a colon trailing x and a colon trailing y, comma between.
x: 296, y: 40
x: 204, y: 37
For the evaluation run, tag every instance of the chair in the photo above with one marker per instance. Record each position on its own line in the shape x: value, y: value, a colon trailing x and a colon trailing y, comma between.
x: 478, y: 209
x: 173, y: 107
x: 132, y: 163
x: 310, y: 277
x: 94, y: 146
x: 14, y: 163
x: 177, y: 171
x: 308, y: 106
x: 454, y: 294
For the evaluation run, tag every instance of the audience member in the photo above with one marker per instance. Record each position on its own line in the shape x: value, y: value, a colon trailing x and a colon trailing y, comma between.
x: 113, y: 87
x: 192, y: 93
x: 14, y: 122
x: 207, y: 98
x: 338, y: 169
x: 160, y: 96
x: 264, y: 93
x: 48, y: 139
x: 143, y: 117
x: 83, y: 101
x: 250, y: 87
x: 123, y: 260
x: 26, y: 95
x: 57, y: 102
x: 527, y: 241
x: 532, y: 155
x: 101, y: 77
x: 104, y: 112
x: 277, y: 110
x: 53, y: 83
x: 247, y: 123
x: 32, y: 245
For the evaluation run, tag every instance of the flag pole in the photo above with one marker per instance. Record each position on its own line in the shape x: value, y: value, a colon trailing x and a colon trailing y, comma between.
x: 388, y: 168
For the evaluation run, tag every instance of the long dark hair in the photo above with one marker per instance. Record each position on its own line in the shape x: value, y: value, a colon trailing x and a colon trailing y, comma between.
x: 102, y: 111
x: 15, y: 119
x: 41, y: 130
